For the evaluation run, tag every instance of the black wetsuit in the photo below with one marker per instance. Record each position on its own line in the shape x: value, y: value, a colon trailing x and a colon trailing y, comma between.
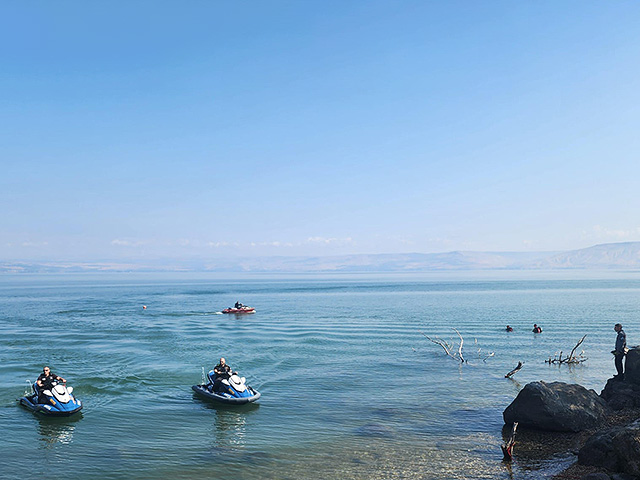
x: 47, y: 380
x: 222, y: 372
x: 47, y: 383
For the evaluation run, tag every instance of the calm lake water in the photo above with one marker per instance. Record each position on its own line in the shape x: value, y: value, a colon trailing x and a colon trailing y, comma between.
x: 351, y: 389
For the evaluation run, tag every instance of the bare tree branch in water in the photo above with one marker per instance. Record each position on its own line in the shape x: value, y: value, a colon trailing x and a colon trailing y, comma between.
x: 456, y: 353
x: 515, y: 370
x: 445, y: 346
x: 570, y: 359
x: 507, y: 448
x: 460, y: 347
x: 483, y: 356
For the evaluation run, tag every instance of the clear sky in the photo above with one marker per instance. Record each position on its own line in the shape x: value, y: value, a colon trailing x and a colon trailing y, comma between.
x: 139, y: 129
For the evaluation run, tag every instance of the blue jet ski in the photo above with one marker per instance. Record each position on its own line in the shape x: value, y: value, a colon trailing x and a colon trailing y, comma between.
x: 57, y: 401
x: 232, y: 390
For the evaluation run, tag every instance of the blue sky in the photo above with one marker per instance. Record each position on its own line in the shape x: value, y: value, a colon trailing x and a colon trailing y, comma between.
x: 148, y: 129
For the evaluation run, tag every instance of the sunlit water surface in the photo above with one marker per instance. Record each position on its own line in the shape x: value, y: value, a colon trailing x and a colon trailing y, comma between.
x: 351, y: 388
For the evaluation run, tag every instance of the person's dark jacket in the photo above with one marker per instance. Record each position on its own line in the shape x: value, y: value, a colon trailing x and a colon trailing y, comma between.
x: 222, y: 370
x: 47, y: 380
x: 621, y: 342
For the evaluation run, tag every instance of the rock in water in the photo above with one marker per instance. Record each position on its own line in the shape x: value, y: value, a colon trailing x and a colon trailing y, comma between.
x: 557, y: 406
x: 616, y: 449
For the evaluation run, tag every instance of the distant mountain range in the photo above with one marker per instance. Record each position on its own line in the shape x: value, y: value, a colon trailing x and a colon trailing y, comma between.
x: 604, y: 256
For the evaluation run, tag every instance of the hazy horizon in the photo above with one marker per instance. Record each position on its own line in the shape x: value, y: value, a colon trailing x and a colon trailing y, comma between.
x: 621, y: 256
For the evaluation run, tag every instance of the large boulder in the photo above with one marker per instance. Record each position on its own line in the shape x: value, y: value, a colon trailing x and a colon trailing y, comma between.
x: 632, y: 366
x: 620, y: 395
x: 617, y: 449
x: 560, y: 407
x: 625, y: 394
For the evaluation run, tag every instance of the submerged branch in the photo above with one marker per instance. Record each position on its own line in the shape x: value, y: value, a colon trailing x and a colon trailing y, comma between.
x: 460, y: 347
x: 515, y: 370
x: 448, y: 349
x: 445, y: 346
x: 570, y: 359
x: 577, y: 345
x: 507, y: 448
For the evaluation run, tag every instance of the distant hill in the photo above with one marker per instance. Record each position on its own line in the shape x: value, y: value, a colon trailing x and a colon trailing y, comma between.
x: 605, y: 256
x: 409, y: 262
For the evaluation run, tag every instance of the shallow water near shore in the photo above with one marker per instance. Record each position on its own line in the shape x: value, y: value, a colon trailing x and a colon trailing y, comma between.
x: 350, y: 387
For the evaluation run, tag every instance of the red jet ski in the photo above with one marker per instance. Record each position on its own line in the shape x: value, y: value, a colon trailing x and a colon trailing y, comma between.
x: 243, y: 309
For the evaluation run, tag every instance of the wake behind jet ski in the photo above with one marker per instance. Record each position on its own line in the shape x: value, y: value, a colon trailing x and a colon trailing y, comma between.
x: 225, y: 386
x: 50, y: 396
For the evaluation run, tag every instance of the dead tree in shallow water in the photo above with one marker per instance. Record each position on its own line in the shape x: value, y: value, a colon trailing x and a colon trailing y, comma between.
x: 448, y: 347
x: 454, y: 350
x: 515, y: 370
x: 570, y: 359
x: 483, y: 356
x: 445, y: 346
x: 460, y: 347
x: 507, y: 448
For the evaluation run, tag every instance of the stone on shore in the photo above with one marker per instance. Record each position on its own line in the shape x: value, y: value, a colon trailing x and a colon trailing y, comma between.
x: 617, y: 449
x: 556, y: 406
x: 632, y: 366
x: 596, y: 476
x: 621, y: 394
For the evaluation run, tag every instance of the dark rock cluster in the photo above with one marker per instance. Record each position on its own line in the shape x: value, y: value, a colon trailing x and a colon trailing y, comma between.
x: 617, y: 449
x: 632, y: 366
x: 624, y: 394
x: 572, y: 408
x: 621, y: 395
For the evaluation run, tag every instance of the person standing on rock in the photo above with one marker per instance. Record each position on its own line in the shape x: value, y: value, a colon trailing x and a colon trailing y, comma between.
x: 620, y: 350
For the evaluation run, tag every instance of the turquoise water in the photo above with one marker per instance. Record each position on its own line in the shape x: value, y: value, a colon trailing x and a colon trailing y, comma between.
x: 350, y: 387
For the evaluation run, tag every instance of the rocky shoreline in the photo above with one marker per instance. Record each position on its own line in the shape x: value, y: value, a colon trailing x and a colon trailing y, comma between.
x: 602, y: 430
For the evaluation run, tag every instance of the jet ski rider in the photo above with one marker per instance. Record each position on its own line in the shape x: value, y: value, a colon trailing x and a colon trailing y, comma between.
x: 222, y: 372
x: 238, y: 305
x: 46, y: 379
